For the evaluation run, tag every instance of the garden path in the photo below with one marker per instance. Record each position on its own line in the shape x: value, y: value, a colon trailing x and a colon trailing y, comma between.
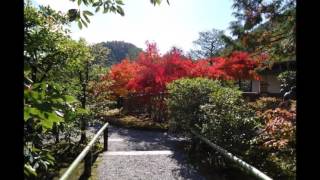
x: 148, y: 155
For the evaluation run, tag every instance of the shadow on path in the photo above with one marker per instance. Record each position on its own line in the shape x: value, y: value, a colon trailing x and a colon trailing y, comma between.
x: 144, y: 140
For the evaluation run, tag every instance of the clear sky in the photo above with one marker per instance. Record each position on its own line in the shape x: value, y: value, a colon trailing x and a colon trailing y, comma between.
x: 177, y: 24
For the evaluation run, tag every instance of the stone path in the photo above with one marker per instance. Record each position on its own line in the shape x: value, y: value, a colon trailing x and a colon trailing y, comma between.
x: 145, y: 155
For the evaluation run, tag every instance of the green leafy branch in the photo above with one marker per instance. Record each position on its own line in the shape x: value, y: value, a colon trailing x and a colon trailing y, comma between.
x: 104, y: 6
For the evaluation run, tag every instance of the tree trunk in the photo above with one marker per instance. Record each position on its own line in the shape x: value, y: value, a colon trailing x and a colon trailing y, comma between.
x: 83, y: 105
x: 33, y: 74
x: 84, y: 82
x: 55, y: 130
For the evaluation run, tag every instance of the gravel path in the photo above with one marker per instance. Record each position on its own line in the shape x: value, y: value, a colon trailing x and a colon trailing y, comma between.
x: 171, y: 164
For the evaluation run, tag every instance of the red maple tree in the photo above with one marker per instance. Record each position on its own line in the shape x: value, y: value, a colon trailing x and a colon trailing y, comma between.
x: 150, y: 72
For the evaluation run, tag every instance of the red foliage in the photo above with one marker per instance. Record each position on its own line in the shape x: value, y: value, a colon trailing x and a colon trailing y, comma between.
x: 150, y: 72
x: 239, y: 66
x: 121, y: 74
x: 158, y: 71
x: 280, y: 128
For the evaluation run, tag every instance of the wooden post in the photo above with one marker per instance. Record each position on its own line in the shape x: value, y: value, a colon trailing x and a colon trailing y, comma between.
x: 88, y: 164
x: 86, y: 154
x: 105, y: 139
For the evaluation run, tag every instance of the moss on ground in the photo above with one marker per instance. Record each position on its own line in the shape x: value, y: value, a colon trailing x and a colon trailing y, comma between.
x: 94, y: 170
x: 117, y: 118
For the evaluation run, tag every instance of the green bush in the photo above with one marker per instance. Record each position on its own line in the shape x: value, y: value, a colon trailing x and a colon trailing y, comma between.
x: 185, y: 96
x: 288, y: 84
x: 219, y: 113
x: 265, y: 140
x: 228, y: 121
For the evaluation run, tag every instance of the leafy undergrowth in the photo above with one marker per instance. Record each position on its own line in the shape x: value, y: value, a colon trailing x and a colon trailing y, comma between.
x: 118, y: 118
x: 211, y: 164
x: 65, y: 153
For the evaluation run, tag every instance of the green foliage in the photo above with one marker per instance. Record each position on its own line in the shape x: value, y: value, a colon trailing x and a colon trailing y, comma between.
x: 37, y: 161
x: 52, y: 61
x: 184, y: 100
x: 264, y: 27
x: 45, y: 105
x: 45, y: 42
x: 82, y: 16
x: 57, y: 73
x: 100, y: 53
x: 227, y: 121
x: 288, y: 83
x: 104, y: 6
x: 217, y: 112
x: 209, y: 44
x: 261, y: 136
x: 157, y: 2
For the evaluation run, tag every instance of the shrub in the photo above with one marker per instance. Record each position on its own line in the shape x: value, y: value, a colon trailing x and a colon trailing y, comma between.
x: 185, y: 96
x: 279, y: 132
x: 274, y: 148
x: 265, y: 139
x: 218, y: 112
x: 228, y: 121
x: 288, y: 84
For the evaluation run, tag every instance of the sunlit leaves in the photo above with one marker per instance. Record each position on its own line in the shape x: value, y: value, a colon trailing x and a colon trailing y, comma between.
x: 121, y: 74
x: 119, y: 2
x: 70, y: 99
x: 106, y: 6
x: 150, y: 72
x: 29, y: 170
x: 49, y: 118
x: 30, y: 112
x: 84, y: 23
x: 97, y: 9
x: 37, y: 161
x: 265, y: 26
x: 80, y: 24
x: 120, y: 10
x: 52, y: 60
x: 43, y: 103
x: 157, y: 2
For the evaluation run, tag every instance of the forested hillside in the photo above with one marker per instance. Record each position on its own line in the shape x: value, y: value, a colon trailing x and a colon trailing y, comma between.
x: 120, y: 50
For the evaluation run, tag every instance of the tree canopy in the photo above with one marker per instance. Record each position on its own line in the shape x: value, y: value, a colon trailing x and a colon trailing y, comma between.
x: 209, y: 44
x: 264, y: 27
x: 104, y: 6
x: 150, y: 72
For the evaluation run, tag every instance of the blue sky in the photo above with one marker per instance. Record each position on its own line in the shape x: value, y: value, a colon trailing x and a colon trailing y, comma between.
x: 177, y: 24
